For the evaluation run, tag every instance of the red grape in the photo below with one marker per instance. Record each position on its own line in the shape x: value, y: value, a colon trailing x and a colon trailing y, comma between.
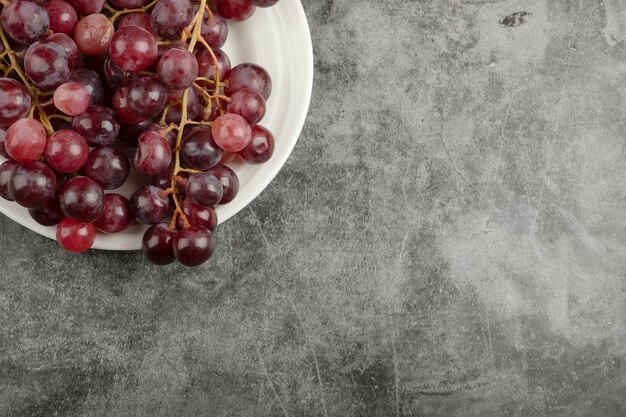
x: 82, y: 199
x: 116, y: 215
x: 157, y: 244
x: 193, y: 246
x: 235, y: 9
x: 108, y: 166
x: 198, y: 215
x: 260, y: 148
x: 25, y: 140
x: 199, y: 150
x: 93, y: 34
x: 124, y: 113
x: 47, y: 64
x: 248, y: 104
x: 75, y: 236
x: 170, y: 17
x: 133, y: 48
x: 97, y: 125
x: 66, y: 151
x: 204, y: 189
x: 149, y: 205
x: 229, y: 181
x: 178, y: 69
x: 15, y: 102
x: 25, y: 21
x: 206, y: 65
x: 153, y: 155
x: 91, y: 80
x: 48, y: 215
x: 215, y: 31
x: 62, y: 16
x: 147, y: 97
x: 231, y: 132
x: 32, y: 184
x: 128, y: 4
x: 251, y: 76
x: 72, y: 98
x: 87, y: 7
x: 141, y: 20
x: 68, y: 44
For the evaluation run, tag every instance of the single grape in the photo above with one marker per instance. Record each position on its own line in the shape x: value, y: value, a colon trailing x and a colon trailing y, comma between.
x: 215, y: 31
x: 133, y: 48
x: 66, y: 151
x: 149, y: 205
x: 87, y: 7
x: 264, y: 3
x: 15, y: 102
x: 261, y: 146
x: 72, y: 98
x: 157, y: 244
x: 26, y: 140
x: 236, y: 10
x: 178, y: 69
x: 128, y: 4
x: 62, y: 16
x: 193, y: 246
x: 248, y: 104
x: 206, y: 64
x: 124, y: 113
x: 6, y: 172
x: 198, y: 215
x: 153, y: 155
x: 32, y: 184
x: 116, y: 216
x: 82, y: 199
x: 140, y: 19
x: 170, y: 17
x: 48, y: 215
x: 47, y: 64
x: 231, y: 132
x: 114, y: 76
x: 93, y: 34
x: 251, y: 76
x: 194, y: 106
x: 25, y: 21
x: 97, y: 125
x: 199, y: 150
x: 68, y: 44
x: 91, y: 80
x: 75, y: 236
x: 108, y: 166
x: 204, y: 189
x: 229, y: 180
x: 147, y: 97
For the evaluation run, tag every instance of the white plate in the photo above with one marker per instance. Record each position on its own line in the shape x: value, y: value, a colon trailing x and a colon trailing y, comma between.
x: 277, y: 38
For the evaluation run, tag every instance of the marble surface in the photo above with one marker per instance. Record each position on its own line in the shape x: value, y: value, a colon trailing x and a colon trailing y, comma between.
x: 447, y: 239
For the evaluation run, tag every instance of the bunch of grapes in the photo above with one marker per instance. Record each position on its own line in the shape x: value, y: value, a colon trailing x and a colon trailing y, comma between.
x: 93, y: 89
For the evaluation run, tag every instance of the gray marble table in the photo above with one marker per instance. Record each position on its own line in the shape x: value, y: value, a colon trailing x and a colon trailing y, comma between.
x: 447, y: 239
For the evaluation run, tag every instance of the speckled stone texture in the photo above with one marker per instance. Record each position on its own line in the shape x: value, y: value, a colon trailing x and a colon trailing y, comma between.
x: 447, y: 239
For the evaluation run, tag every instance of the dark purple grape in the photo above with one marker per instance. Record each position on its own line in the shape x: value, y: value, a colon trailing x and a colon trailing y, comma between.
x: 25, y: 21
x: 82, y: 199
x: 206, y: 64
x: 6, y: 171
x: 204, y: 189
x: 214, y: 31
x: 193, y: 246
x: 157, y: 244
x: 130, y: 133
x: 194, y: 106
x: 133, y: 48
x: 48, y: 215
x: 148, y: 205
x: 91, y: 80
x: 32, y: 184
x: 178, y: 69
x: 199, y: 150
x: 47, y: 64
x: 97, y: 125
x: 62, y: 16
x: 108, y: 166
x: 116, y: 216
x: 163, y: 180
x: 15, y: 102
x: 114, y: 76
x: 229, y: 180
x: 248, y: 104
x: 198, y: 215
x: 124, y: 113
x: 68, y: 44
x: 147, y: 97
x: 153, y: 155
x: 260, y: 148
x: 170, y: 17
x: 237, y: 10
x: 249, y: 76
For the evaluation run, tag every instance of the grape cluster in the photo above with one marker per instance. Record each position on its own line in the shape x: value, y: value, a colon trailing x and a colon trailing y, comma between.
x: 95, y: 89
